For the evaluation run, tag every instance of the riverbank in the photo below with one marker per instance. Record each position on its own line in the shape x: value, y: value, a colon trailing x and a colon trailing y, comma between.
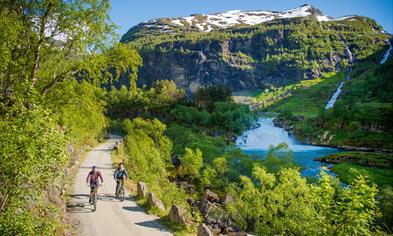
x: 378, y: 167
x: 290, y: 126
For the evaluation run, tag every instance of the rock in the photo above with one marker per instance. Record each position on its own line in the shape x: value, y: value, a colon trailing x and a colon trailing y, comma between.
x: 142, y: 189
x: 227, y: 199
x: 192, y: 202
x: 176, y: 160
x: 204, y: 230
x: 153, y: 201
x: 178, y: 215
x: 216, y: 230
x: 210, y: 196
x: 220, y: 221
x: 189, y: 188
x: 236, y: 234
x: 206, y: 207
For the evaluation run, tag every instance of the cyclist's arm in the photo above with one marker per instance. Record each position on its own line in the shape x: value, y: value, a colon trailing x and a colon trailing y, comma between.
x: 126, y: 174
x: 114, y: 174
x: 100, y: 176
x: 87, y: 178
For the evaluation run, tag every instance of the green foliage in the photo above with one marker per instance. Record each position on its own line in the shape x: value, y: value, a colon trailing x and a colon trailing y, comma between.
x: 145, y: 143
x: 231, y: 117
x: 190, y: 163
x: 36, y: 58
x: 207, y: 97
x: 347, y: 172
x: 190, y: 116
x: 361, y: 115
x: 51, y: 54
x: 273, y: 95
x: 386, y: 203
x: 183, y: 137
x: 278, y: 158
x: 33, y: 158
x: 74, y: 106
x: 288, y: 205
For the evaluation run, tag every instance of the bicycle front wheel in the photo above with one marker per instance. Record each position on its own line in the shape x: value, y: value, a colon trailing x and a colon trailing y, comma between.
x: 122, y: 195
x: 95, y: 202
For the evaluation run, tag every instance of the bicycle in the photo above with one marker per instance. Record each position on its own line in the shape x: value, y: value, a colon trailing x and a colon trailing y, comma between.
x: 93, y: 196
x: 120, y: 190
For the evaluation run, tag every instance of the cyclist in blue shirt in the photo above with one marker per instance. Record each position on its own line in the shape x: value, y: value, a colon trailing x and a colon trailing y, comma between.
x: 120, y: 175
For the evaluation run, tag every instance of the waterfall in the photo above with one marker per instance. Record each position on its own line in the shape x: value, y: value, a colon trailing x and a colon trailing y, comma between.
x: 266, y: 135
x: 334, y: 97
x: 203, y: 60
x: 348, y: 51
x: 387, y: 53
x: 258, y: 141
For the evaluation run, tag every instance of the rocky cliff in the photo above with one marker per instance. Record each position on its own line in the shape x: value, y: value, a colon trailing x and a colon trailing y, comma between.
x: 249, y: 50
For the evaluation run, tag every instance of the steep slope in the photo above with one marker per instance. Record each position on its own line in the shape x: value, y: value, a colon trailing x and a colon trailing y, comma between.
x: 361, y: 116
x: 249, y: 50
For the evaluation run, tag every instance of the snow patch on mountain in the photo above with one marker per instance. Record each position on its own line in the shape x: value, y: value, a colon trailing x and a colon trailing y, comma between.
x: 237, y: 17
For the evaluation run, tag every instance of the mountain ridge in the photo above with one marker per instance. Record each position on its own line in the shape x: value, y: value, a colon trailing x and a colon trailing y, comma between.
x: 276, y: 52
x: 201, y: 22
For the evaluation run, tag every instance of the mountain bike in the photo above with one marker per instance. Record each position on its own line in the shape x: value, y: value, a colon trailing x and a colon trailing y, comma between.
x: 93, y: 196
x: 120, y: 190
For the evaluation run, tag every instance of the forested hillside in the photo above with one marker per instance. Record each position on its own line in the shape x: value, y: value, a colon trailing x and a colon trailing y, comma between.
x: 242, y: 57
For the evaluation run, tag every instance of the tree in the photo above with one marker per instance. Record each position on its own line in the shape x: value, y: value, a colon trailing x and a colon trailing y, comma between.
x: 51, y: 41
x: 191, y: 163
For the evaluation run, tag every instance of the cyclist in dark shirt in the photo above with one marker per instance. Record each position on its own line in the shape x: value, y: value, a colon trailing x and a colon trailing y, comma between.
x: 120, y: 175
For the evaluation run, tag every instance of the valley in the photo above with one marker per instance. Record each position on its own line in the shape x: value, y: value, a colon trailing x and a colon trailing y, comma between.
x: 244, y: 122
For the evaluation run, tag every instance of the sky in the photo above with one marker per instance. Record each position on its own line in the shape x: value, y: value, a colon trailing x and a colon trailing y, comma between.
x: 128, y: 13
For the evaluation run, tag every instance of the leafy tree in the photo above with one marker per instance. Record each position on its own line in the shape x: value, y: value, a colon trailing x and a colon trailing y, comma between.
x: 191, y: 163
x: 206, y: 97
x: 32, y: 158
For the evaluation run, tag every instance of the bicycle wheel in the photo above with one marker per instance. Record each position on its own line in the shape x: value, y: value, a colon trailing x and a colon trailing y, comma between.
x: 122, y: 195
x: 95, y: 202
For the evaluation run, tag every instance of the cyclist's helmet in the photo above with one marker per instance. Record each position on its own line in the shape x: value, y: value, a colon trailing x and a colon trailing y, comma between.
x: 94, y: 166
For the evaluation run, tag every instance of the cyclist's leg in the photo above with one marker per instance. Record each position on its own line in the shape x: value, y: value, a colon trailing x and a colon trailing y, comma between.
x: 122, y: 184
x: 117, y: 187
x: 91, y: 193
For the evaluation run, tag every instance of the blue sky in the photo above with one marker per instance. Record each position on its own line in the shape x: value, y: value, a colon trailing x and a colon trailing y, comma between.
x: 128, y: 13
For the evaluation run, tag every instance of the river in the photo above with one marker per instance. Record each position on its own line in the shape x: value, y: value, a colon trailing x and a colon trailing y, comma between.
x: 257, y: 142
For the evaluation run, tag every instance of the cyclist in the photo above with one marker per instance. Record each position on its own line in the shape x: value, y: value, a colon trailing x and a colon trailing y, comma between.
x: 120, y: 175
x: 95, y: 177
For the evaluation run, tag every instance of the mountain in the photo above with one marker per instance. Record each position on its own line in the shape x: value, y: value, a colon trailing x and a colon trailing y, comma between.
x: 246, y: 50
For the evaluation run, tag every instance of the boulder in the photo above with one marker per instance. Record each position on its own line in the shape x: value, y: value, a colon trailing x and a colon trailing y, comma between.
x: 204, y: 230
x: 220, y: 221
x: 192, y: 202
x: 205, y: 207
x: 142, y: 189
x: 210, y: 196
x: 227, y: 199
x: 178, y: 215
x: 188, y: 188
x: 153, y: 201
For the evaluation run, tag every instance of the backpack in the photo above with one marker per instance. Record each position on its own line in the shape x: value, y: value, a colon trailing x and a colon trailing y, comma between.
x: 120, y: 174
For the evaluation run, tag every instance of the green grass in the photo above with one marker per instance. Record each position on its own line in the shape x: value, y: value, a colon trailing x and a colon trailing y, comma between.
x: 368, y: 159
x: 348, y: 172
x: 310, y: 101
x: 262, y: 99
x: 363, y: 139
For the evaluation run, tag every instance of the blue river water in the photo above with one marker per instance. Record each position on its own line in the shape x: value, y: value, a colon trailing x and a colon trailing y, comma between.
x: 257, y: 142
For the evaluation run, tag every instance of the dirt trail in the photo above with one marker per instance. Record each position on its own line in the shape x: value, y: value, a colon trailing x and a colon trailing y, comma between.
x: 112, y: 217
